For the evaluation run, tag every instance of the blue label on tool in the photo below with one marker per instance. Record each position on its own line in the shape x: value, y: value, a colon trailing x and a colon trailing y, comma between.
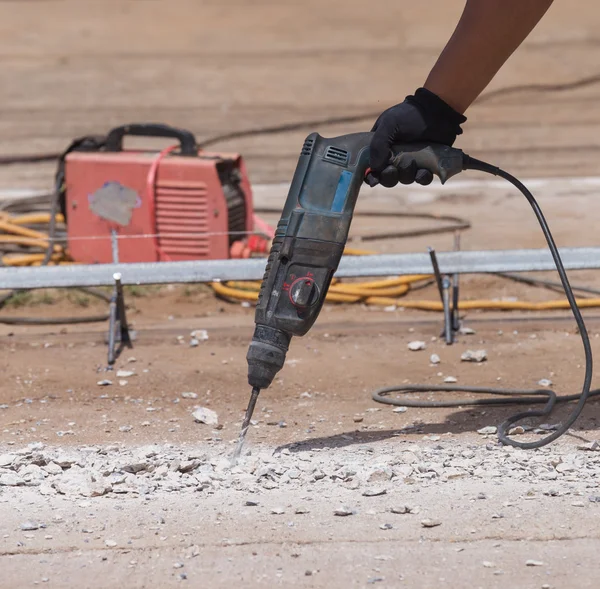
x: 339, y: 198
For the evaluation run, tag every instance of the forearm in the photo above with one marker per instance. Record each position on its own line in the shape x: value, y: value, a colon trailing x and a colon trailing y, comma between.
x: 487, y: 34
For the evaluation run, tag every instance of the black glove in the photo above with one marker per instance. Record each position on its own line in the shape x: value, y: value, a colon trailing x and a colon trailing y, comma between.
x: 422, y: 117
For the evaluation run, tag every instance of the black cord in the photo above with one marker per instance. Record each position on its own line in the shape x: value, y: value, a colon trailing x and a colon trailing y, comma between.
x: 549, y: 284
x: 454, y: 223
x: 53, y: 320
x: 533, y: 396
x: 316, y: 123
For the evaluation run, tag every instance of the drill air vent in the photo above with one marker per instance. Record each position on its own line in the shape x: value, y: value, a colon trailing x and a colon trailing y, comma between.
x: 307, y: 147
x: 335, y: 155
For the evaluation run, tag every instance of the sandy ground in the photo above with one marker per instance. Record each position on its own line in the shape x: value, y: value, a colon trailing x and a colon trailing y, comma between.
x: 71, y: 68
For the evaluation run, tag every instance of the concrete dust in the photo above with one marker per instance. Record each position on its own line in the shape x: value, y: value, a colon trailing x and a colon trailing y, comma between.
x: 272, y: 519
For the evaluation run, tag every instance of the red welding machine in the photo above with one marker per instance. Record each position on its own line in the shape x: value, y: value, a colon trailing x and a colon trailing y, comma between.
x: 177, y: 204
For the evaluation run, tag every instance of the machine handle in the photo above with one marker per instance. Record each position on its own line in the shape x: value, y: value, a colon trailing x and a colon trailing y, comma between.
x: 442, y: 160
x: 114, y: 140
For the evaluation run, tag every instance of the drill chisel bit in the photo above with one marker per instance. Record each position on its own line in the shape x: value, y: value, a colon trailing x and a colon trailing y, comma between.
x: 238, y: 450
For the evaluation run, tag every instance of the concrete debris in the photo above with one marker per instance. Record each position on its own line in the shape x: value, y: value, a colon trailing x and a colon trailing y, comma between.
x: 104, y: 383
x: 52, y: 468
x: 516, y: 431
x: 189, y: 395
x: 343, y: 511
x: 10, y: 479
x: 591, y: 447
x: 487, y: 430
x: 450, y: 379
x: 466, y: 331
x: 434, y: 359
x: 84, y: 482
x: 386, y: 526
x: 430, y: 523
x: 534, y: 563
x: 29, y: 526
x: 416, y: 345
x: 205, y: 415
x: 474, y: 356
x: 545, y: 382
x: 6, y: 459
x: 350, y: 473
x: 199, y: 334
x: 374, y: 492
x: 125, y: 373
x: 381, y: 475
x: 400, y: 409
x: 135, y: 467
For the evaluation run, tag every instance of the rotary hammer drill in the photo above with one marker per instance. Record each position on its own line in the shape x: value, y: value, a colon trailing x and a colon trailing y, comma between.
x: 310, y: 239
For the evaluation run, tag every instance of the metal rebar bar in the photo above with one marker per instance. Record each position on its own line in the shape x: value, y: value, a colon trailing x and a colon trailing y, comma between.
x: 121, y: 314
x: 448, y: 331
x: 114, y: 241
x: 436, y: 271
x: 456, y: 288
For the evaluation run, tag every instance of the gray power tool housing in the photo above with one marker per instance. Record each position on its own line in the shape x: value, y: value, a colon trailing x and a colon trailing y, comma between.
x: 311, y: 235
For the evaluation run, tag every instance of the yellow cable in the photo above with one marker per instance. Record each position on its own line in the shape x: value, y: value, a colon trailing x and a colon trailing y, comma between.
x: 13, y: 231
x: 9, y: 227
x: 28, y: 259
x: 35, y: 219
x: 27, y: 242
x: 333, y: 296
x: 486, y: 304
x: 351, y: 251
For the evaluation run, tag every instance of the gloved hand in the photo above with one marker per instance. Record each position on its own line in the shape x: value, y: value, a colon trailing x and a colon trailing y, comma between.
x: 422, y: 117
